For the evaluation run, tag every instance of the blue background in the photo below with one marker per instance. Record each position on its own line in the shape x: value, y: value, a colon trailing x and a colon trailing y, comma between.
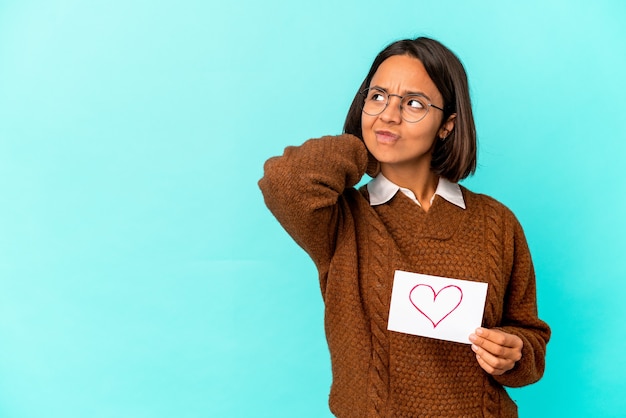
x: 141, y: 274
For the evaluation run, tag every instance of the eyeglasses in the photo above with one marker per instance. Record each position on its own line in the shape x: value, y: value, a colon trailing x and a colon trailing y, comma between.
x: 413, y: 107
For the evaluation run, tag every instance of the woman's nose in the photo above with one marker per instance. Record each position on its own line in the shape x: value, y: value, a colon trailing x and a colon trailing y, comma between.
x: 393, y: 111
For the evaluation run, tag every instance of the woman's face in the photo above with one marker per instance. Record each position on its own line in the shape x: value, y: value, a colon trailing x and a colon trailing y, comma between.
x: 393, y: 141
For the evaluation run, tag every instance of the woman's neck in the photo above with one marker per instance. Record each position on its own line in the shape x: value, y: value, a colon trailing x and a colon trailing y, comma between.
x: 418, y: 179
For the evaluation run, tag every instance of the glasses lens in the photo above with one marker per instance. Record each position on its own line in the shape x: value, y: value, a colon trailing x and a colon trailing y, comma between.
x: 414, y: 108
x: 375, y: 101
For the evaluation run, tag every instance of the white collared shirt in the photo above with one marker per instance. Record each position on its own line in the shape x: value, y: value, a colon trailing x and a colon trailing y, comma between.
x: 381, y: 190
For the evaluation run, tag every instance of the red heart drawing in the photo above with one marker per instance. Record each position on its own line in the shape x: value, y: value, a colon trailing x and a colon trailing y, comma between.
x: 436, y: 306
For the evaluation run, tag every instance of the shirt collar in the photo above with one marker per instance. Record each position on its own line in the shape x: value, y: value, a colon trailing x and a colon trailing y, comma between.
x: 381, y: 190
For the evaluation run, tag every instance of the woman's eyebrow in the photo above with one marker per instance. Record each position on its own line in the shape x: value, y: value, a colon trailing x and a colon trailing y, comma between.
x: 417, y: 93
x: 405, y: 92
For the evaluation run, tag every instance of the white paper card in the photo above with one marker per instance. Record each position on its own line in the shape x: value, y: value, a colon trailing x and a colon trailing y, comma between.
x: 436, y: 307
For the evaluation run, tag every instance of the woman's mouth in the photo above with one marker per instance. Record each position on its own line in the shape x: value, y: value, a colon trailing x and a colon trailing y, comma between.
x: 386, y: 137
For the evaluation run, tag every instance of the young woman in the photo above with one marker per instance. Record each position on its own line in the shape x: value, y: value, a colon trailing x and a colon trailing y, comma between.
x: 411, y: 128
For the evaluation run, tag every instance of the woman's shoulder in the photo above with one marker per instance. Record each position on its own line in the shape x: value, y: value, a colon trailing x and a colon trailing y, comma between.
x: 484, y: 202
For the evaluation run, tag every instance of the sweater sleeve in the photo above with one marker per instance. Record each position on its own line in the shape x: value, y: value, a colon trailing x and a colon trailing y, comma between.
x: 520, y: 316
x: 303, y: 188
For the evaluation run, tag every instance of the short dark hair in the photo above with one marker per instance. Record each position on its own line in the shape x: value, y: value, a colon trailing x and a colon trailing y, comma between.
x: 455, y: 157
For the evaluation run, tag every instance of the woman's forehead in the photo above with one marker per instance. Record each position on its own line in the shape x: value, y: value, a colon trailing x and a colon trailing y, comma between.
x: 403, y: 74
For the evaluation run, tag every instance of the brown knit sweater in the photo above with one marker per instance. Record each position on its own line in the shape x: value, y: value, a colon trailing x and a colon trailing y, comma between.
x: 357, y: 248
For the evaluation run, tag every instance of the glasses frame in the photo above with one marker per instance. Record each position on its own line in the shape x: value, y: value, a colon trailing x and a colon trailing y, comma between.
x: 389, y: 95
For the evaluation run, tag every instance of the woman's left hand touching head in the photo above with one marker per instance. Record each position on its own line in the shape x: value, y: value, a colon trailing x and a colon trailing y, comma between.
x: 496, y: 351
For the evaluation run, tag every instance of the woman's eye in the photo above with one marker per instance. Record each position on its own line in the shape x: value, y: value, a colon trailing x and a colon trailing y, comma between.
x: 377, y: 97
x: 414, y: 104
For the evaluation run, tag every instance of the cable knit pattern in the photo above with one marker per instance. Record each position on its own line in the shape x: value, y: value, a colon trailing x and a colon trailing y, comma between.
x: 378, y: 319
x: 357, y: 248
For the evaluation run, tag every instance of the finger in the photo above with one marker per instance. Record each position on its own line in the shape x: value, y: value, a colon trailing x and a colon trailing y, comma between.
x: 488, y: 367
x: 500, y: 337
x: 495, y: 349
x: 493, y: 362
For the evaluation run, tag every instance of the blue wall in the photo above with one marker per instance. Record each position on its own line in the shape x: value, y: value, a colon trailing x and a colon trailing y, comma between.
x: 142, y: 276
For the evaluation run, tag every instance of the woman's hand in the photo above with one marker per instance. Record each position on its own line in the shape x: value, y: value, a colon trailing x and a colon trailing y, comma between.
x: 496, y: 351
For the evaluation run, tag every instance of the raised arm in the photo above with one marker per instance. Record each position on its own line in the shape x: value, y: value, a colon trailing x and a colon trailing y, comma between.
x: 302, y: 188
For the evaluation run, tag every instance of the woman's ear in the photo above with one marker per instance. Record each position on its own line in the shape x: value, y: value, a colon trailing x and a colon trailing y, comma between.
x: 447, y: 126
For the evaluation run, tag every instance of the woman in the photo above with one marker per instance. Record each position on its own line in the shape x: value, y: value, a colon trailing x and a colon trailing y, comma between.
x: 411, y: 128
